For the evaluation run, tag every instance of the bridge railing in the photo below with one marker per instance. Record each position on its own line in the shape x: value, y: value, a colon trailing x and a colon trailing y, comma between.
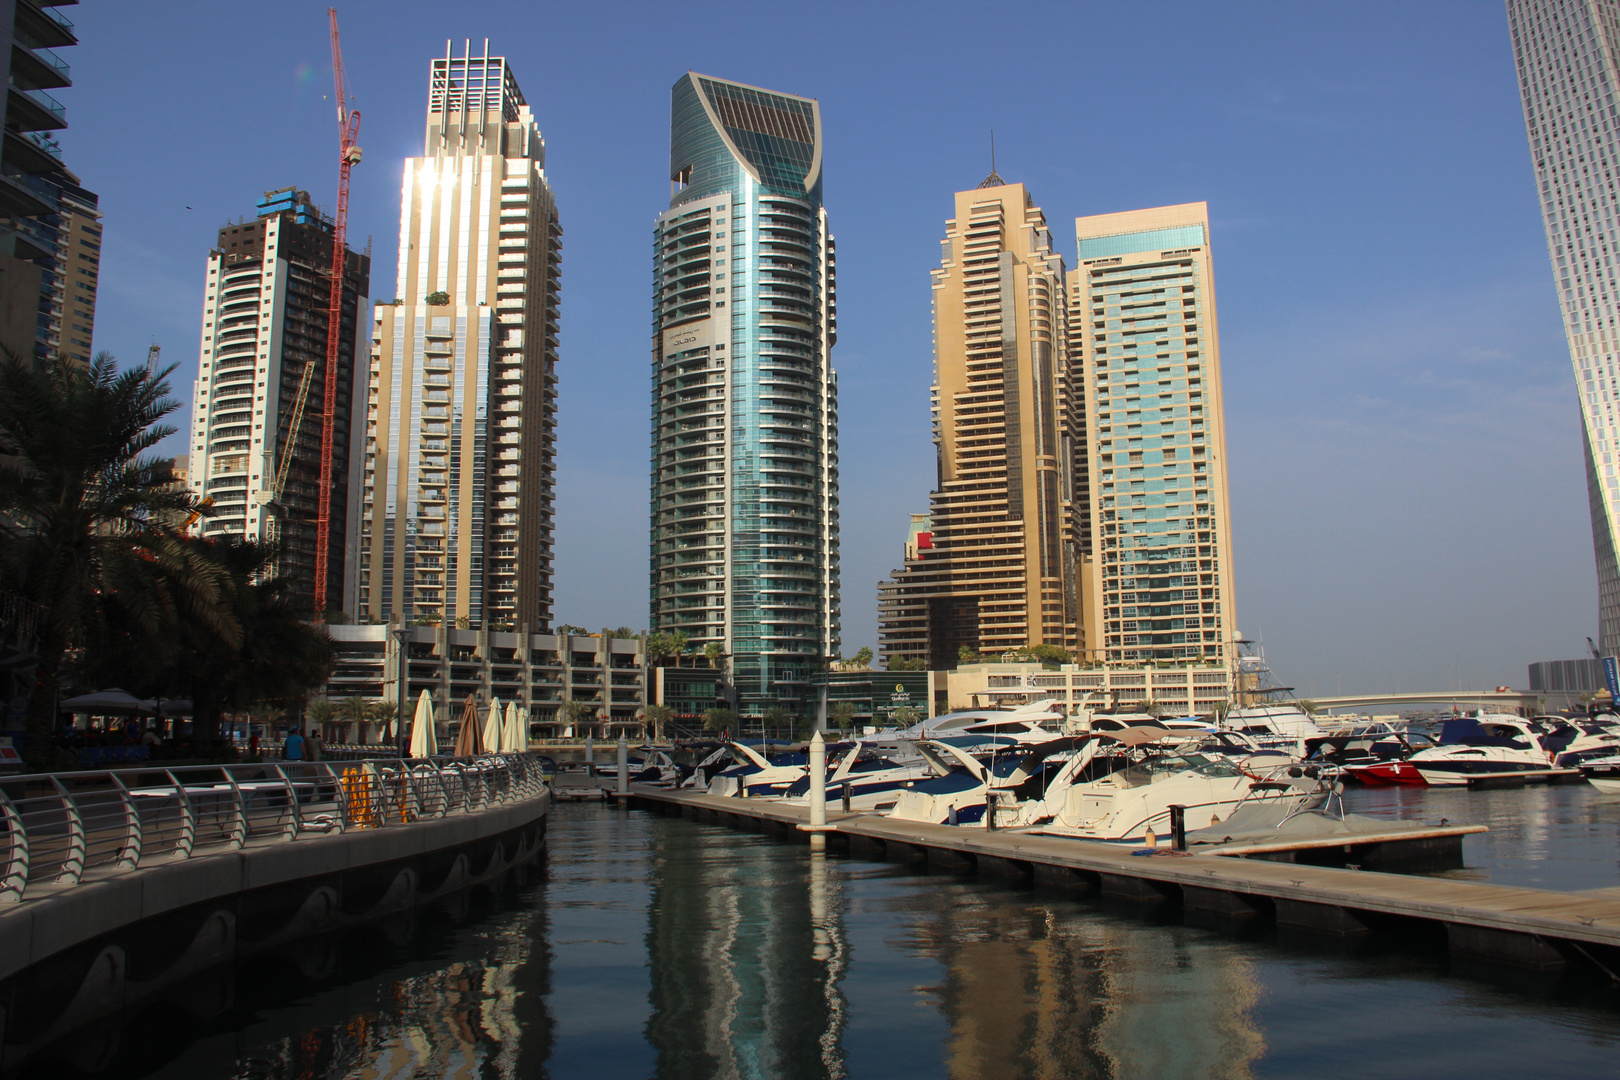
x: 56, y: 828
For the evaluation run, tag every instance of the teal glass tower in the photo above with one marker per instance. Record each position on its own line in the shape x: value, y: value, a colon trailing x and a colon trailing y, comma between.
x: 744, y: 420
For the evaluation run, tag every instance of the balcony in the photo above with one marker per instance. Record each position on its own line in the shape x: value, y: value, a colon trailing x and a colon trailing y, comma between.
x: 39, y: 68
x: 38, y: 25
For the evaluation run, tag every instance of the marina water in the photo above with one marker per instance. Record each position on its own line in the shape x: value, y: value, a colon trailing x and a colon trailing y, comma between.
x: 657, y: 947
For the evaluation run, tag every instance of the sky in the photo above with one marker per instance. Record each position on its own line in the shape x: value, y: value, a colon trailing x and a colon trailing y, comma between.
x: 1408, y: 500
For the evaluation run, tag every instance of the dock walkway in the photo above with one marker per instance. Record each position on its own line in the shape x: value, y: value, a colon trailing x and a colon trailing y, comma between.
x: 1529, y: 927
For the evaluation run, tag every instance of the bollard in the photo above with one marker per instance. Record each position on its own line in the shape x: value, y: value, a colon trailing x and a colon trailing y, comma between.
x: 990, y: 800
x: 624, y: 767
x: 846, y: 786
x: 590, y: 752
x: 1178, y: 827
x: 818, y: 790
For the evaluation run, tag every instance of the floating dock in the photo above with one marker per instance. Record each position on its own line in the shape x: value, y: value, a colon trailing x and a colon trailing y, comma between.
x: 1528, y: 928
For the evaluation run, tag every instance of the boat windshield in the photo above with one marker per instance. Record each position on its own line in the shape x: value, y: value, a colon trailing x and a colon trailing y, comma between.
x: 1158, y: 767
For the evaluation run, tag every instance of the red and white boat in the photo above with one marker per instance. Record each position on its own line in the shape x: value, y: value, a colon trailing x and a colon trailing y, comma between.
x: 1386, y: 774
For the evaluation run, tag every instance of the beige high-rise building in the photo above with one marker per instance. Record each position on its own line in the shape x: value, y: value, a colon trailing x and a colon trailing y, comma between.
x: 1151, y: 523
x: 458, y: 475
x: 991, y: 576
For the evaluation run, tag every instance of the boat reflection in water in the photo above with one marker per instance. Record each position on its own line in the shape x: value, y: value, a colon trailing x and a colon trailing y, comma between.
x: 660, y: 947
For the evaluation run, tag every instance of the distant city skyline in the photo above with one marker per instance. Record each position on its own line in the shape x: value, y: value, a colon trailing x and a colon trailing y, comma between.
x: 1399, y: 430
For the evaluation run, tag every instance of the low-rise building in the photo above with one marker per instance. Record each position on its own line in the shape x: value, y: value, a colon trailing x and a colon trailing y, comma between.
x: 1183, y: 689
x: 545, y: 674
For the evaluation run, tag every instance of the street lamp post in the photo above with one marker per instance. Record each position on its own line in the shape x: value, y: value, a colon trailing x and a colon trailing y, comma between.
x: 402, y: 635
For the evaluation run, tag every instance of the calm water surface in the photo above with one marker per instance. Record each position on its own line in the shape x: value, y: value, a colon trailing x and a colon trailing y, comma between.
x: 654, y: 947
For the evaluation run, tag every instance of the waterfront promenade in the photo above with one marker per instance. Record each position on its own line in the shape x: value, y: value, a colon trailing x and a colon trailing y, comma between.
x: 116, y: 885
x: 1531, y: 928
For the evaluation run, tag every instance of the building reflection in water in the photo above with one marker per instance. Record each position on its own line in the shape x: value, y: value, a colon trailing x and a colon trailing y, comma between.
x: 1039, y: 991
x: 746, y: 951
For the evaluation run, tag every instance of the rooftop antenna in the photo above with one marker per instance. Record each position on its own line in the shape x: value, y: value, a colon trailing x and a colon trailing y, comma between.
x: 994, y: 179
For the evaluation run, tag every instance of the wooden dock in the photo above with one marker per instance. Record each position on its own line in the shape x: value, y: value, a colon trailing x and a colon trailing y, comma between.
x: 1530, y: 928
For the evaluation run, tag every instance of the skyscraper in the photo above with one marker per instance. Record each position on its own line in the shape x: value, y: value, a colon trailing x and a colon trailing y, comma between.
x: 745, y: 423
x: 460, y: 454
x: 1566, y: 52
x: 264, y: 334
x: 1145, y: 344
x: 991, y: 577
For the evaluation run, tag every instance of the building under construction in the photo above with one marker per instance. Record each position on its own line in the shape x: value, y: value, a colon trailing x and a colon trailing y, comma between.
x: 256, y: 414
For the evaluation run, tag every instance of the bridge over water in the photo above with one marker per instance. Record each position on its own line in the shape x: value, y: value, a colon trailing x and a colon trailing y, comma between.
x: 1497, y: 699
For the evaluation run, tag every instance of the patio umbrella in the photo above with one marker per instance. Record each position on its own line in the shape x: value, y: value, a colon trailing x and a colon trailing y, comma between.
x: 517, y: 735
x: 424, y: 740
x: 492, y: 727
x: 469, y: 740
x: 106, y: 701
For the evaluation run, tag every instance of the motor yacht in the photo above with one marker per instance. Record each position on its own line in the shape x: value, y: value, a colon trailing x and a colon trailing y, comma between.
x: 1275, y: 726
x: 959, y: 790
x: 753, y: 774
x: 1485, y: 744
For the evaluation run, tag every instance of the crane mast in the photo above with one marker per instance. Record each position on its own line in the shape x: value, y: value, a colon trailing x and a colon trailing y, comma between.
x: 348, y: 156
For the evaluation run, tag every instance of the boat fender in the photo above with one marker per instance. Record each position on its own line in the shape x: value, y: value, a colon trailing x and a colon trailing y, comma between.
x: 1150, y: 839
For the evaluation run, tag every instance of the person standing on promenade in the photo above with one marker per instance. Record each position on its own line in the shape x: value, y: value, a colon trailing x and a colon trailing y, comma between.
x: 314, y: 744
x: 293, y: 749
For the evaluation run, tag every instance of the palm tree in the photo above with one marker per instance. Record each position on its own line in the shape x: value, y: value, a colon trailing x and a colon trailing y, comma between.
x: 657, y: 716
x: 280, y: 655
x: 93, y: 519
x: 580, y: 712
x: 842, y: 714
x: 715, y: 653
x: 776, y: 716
x: 863, y: 657
x: 355, y: 710
x: 719, y: 719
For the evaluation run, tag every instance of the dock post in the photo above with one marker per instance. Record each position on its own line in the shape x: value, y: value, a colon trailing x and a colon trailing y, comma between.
x: 590, y: 751
x: 845, y: 787
x: 990, y: 800
x: 818, y: 791
x: 1178, y: 827
x: 624, y: 768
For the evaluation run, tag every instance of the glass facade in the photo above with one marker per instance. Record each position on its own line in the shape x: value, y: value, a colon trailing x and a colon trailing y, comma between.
x: 744, y: 509
x: 1145, y: 337
x: 1566, y: 51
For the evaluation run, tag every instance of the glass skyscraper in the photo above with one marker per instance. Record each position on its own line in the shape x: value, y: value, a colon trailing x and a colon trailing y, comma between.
x: 744, y: 422
x: 1566, y: 52
x: 1152, y: 520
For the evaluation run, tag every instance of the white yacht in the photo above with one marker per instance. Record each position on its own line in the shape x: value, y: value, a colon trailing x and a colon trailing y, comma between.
x: 1276, y: 726
x: 754, y: 774
x: 1483, y: 745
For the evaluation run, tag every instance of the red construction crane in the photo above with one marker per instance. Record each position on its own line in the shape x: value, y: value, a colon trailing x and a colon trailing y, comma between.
x: 348, y: 157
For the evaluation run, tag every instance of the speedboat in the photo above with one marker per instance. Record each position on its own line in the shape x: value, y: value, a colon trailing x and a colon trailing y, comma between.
x: 1484, y: 745
x: 967, y: 774
x: 874, y: 780
x: 1603, y: 773
x: 1127, y: 803
x: 755, y: 774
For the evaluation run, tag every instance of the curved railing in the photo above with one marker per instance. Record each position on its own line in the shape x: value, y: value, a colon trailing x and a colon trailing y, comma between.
x: 57, y: 827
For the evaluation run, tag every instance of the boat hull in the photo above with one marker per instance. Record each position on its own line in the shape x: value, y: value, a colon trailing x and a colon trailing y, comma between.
x: 1387, y: 774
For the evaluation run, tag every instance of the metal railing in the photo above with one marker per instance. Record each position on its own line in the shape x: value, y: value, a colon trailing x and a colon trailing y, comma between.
x: 56, y: 828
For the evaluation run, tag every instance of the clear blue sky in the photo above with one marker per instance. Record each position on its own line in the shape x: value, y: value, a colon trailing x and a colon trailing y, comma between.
x: 1408, y: 501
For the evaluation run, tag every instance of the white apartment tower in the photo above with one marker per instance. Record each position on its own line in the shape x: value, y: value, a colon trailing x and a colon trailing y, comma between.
x: 1566, y: 53
x: 255, y: 450
x: 458, y: 472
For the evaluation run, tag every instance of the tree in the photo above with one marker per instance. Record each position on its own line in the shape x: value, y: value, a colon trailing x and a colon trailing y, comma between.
x: 679, y: 645
x: 279, y: 657
x: 777, y: 717
x: 715, y: 653
x: 623, y: 632
x: 1050, y: 654
x: 907, y: 663
x: 842, y: 714
x: 966, y: 655
x: 96, y: 539
x: 580, y: 712
x: 656, y: 716
x: 1308, y: 705
x: 863, y: 657
x: 905, y: 715
x: 719, y: 719
x: 321, y: 712
x: 437, y: 299
x: 384, y: 713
